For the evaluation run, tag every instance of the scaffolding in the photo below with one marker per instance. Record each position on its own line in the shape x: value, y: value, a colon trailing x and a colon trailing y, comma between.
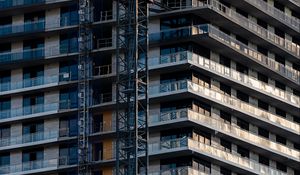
x: 84, y: 92
x: 132, y: 87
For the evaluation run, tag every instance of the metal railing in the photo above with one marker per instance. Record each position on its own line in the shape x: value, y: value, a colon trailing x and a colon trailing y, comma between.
x: 28, y: 138
x: 102, y: 98
x: 232, y: 102
x: 218, y: 68
x: 104, y: 127
x: 102, y: 70
x: 215, y: 152
x: 106, y: 15
x: 186, y: 170
x: 15, y: 3
x: 229, y: 129
x: 229, y: 41
x: 104, y: 42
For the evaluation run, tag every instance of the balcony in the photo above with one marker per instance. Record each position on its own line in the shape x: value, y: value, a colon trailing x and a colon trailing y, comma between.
x: 33, y: 27
x: 28, y: 84
x: 104, y: 43
x: 103, y: 70
x: 218, y: 125
x: 28, y: 139
x: 37, y: 166
x: 270, y: 10
x: 239, y: 49
x: 229, y: 73
x: 180, y: 171
x: 37, y: 54
x: 184, y: 86
x: 213, y: 152
x: 12, y: 3
x: 34, y: 110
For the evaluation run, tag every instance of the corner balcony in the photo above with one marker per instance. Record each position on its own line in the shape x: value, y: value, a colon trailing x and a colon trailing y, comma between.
x: 184, y: 117
x: 209, y: 36
x: 213, y: 153
x: 267, y: 12
x: 34, y: 111
x: 188, y: 60
x: 29, y: 140
x: 35, y: 84
x: 221, y: 15
x: 262, y: 118
x: 36, y: 167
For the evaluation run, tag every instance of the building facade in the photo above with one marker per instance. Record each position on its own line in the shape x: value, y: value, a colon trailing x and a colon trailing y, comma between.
x: 224, y: 87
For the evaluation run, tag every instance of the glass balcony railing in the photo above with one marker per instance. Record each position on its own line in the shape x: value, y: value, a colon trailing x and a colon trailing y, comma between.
x: 276, y: 13
x: 12, y: 3
x: 229, y: 41
x: 34, y: 109
x: 29, y: 138
x: 232, y: 102
x: 220, y: 126
x: 37, y: 165
x: 35, y: 54
x: 215, y: 152
x: 37, y: 26
x: 181, y: 171
x: 218, y: 68
x: 283, y: 43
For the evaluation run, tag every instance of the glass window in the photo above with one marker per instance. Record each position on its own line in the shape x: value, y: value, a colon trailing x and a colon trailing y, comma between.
x: 68, y: 154
x: 68, y: 126
x: 5, y: 79
x: 4, y: 162
x: 68, y: 98
x: 69, y: 43
x: 33, y: 131
x: 69, y: 15
x: 5, y: 106
x: 68, y: 71
x: 33, y: 76
x: 37, y: 101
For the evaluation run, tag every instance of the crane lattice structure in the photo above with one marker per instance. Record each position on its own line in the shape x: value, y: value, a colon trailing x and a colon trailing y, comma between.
x: 132, y: 87
x: 84, y: 92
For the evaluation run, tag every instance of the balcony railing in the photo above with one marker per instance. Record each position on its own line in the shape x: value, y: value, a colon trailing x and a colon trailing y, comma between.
x: 276, y: 13
x: 232, y: 102
x: 104, y: 127
x: 37, y: 81
x: 37, y: 165
x: 229, y: 41
x: 104, y: 42
x: 102, y: 98
x: 252, y: 26
x: 224, y: 71
x: 214, y: 151
x: 181, y: 171
x: 29, y: 138
x: 35, y: 54
x: 102, y: 70
x: 34, y: 109
x: 220, y: 126
x: 106, y: 15
x: 13, y: 3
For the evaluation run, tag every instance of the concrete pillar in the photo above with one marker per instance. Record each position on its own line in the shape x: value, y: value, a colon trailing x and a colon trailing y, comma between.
x: 52, y: 17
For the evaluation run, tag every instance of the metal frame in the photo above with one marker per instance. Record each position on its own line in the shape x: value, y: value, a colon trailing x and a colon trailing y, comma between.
x: 132, y: 87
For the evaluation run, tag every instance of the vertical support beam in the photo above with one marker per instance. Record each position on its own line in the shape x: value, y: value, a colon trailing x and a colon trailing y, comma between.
x: 132, y: 87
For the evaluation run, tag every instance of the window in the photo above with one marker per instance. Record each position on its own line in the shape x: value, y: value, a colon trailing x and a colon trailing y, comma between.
x: 30, y: 156
x: 69, y: 15
x: 33, y: 49
x: 226, y: 145
x: 33, y: 131
x: 262, y: 23
x: 4, y: 163
x: 280, y: 112
x: 242, y: 40
x: 297, y: 146
x: 5, y: 24
x: 97, y: 151
x: 225, y: 116
x: 5, y: 135
x: 33, y: 100
x: 263, y: 160
x: 279, y: 59
x: 5, y: 79
x: 280, y: 85
x: 225, y: 171
x: 262, y: 50
x: 68, y: 43
x: 34, y: 21
x: 224, y: 61
x: 68, y: 154
x: 33, y: 76
x: 280, y: 139
x: 68, y: 98
x: 243, y: 13
x: 226, y: 89
x: 242, y: 96
x: 5, y: 106
x: 243, y: 151
x: 263, y: 132
x: 68, y: 71
x: 281, y: 167
x: 243, y: 124
x: 241, y: 68
x: 68, y: 126
x: 263, y: 105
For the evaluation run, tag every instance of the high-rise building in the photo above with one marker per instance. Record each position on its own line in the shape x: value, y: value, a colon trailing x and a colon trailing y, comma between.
x: 224, y: 87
